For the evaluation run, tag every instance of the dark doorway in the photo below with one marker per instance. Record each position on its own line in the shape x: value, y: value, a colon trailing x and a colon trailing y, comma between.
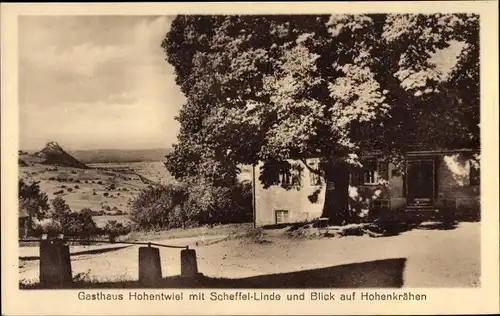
x: 420, y: 175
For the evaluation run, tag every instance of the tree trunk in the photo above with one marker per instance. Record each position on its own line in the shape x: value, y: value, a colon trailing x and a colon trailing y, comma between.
x: 336, y: 206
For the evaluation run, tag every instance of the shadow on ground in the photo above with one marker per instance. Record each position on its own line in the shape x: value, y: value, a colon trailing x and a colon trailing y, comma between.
x: 386, y: 273
x: 396, y: 226
x: 386, y: 224
x: 82, y: 252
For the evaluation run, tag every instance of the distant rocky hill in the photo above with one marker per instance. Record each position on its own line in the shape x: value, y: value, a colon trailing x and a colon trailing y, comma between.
x: 54, y: 155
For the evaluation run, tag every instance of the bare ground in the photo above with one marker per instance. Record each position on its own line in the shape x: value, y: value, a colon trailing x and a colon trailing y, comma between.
x: 417, y: 258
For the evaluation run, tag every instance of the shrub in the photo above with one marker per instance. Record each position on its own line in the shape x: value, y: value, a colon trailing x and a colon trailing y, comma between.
x: 99, y: 182
x: 79, y: 224
x: 93, y: 193
x: 105, y: 194
x: 47, y: 226
x: 58, y: 192
x: 63, y: 220
x: 151, y: 208
x: 193, y: 203
x: 70, y: 189
x: 77, y: 187
x: 114, y: 229
x: 52, y: 178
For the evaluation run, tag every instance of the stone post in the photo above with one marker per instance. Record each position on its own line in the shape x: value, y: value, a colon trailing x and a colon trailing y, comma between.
x: 189, y: 266
x: 149, y: 267
x: 55, y: 264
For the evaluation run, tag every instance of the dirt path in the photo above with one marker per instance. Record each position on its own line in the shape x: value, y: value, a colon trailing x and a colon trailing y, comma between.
x: 433, y: 258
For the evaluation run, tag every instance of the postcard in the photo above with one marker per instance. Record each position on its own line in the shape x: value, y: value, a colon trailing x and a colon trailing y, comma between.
x: 250, y: 158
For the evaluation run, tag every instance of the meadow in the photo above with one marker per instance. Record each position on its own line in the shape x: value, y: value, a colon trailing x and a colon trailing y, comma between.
x: 105, y: 187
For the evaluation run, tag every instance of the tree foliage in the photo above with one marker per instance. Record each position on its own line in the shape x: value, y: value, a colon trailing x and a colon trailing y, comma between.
x: 33, y: 200
x: 270, y: 88
x: 193, y: 203
x: 70, y: 223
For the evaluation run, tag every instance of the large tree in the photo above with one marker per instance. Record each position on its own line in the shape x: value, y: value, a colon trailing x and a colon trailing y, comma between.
x: 270, y: 88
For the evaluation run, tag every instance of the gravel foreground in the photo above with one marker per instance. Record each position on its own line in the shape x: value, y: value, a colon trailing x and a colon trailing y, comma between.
x: 417, y: 258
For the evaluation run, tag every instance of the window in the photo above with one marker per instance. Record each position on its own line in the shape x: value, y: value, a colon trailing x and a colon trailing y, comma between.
x: 291, y: 175
x: 280, y: 173
x: 281, y: 216
x: 285, y: 177
x: 370, y: 174
x: 474, y: 174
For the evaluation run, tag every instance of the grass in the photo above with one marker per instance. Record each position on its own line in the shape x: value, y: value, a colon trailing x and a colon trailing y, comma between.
x: 175, y: 233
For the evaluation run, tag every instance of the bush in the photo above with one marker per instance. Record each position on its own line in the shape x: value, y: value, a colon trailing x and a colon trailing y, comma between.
x: 70, y: 189
x: 76, y: 187
x: 99, y: 182
x: 58, y: 192
x: 105, y: 194
x: 193, y: 203
x: 47, y: 226
x: 151, y: 208
x: 114, y: 229
x: 79, y: 224
x: 63, y: 220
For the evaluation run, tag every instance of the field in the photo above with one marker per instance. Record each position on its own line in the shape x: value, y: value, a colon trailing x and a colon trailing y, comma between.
x: 153, y: 171
x: 107, y: 187
x: 103, y: 186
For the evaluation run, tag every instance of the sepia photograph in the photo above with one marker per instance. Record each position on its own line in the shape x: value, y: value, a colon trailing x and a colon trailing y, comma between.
x: 249, y: 151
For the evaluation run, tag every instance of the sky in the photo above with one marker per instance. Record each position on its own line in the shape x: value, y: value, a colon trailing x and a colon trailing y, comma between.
x: 90, y: 82
x: 95, y: 82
